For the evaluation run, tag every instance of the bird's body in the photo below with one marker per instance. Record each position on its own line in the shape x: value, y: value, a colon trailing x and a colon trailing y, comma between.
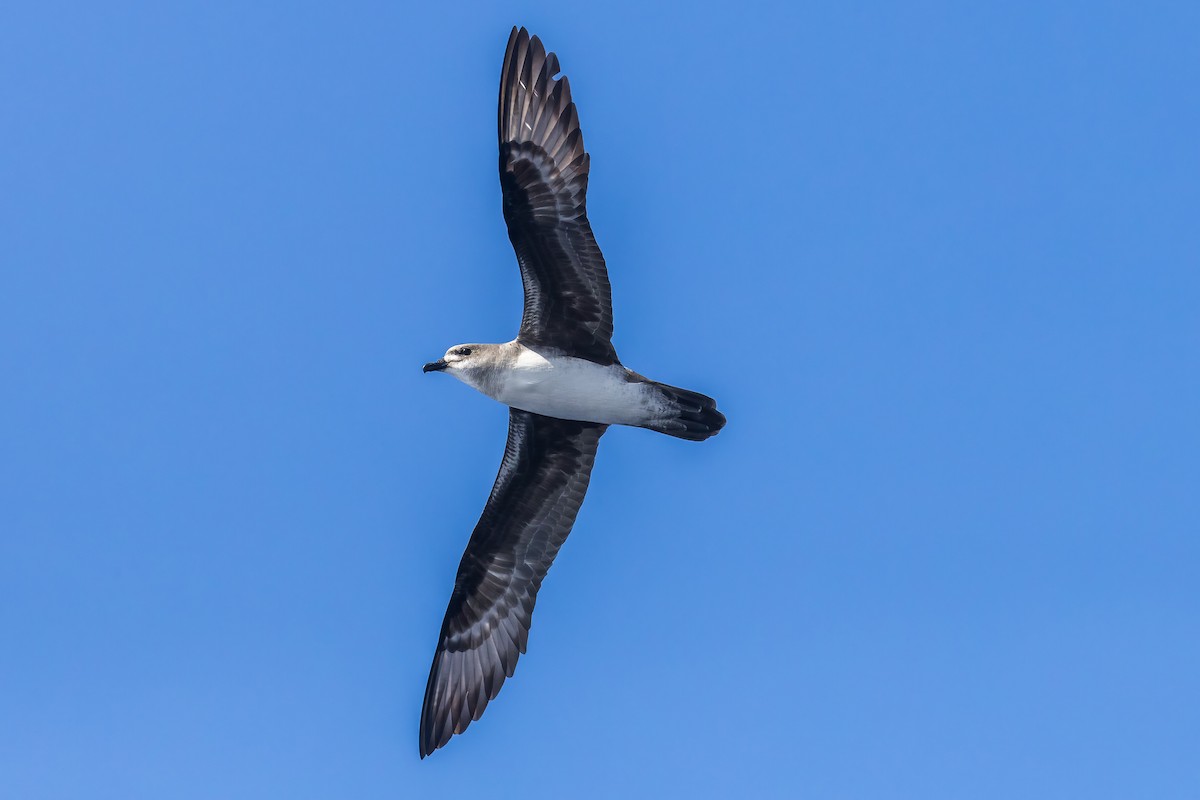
x: 566, y: 387
x: 563, y: 382
x: 544, y: 381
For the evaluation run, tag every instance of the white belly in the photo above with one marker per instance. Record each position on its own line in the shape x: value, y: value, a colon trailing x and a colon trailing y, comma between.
x: 572, y: 388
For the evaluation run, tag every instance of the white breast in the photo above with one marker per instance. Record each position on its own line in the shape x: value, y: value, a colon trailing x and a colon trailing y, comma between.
x: 572, y: 388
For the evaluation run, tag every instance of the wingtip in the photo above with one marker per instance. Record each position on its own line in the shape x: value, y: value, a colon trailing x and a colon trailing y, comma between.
x: 426, y: 744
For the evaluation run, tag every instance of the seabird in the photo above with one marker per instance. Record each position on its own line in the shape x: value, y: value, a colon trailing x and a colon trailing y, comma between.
x: 562, y: 382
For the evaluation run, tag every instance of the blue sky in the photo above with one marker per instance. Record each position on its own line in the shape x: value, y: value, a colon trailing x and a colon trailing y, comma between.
x: 937, y: 261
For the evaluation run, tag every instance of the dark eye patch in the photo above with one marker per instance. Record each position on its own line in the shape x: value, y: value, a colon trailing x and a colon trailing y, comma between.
x: 463, y: 351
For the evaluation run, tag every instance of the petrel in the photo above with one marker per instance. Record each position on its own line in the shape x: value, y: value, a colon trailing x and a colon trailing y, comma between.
x: 564, y: 386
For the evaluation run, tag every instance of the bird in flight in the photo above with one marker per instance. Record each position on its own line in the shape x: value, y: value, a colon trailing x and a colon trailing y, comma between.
x: 564, y: 386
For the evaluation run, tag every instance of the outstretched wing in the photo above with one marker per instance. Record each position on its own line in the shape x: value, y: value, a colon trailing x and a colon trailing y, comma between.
x: 544, y: 175
x: 543, y: 477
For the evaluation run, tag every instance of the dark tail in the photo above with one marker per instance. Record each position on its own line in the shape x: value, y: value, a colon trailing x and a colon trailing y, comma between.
x: 687, y: 415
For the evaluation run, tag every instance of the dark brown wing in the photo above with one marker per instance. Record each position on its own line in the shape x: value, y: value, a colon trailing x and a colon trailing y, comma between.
x: 544, y: 175
x: 543, y: 477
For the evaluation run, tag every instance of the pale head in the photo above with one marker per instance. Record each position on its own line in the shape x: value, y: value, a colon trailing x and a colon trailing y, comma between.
x: 467, y: 362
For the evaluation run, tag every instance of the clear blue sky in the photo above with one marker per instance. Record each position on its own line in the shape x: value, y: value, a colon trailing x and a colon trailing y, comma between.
x: 939, y: 262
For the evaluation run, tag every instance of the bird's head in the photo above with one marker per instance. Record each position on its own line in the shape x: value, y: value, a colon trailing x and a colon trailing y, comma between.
x: 460, y: 361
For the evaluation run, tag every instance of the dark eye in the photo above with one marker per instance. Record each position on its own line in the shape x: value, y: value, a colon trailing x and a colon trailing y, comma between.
x: 463, y: 351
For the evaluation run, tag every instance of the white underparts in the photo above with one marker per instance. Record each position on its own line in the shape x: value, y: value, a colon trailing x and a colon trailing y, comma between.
x: 573, y: 388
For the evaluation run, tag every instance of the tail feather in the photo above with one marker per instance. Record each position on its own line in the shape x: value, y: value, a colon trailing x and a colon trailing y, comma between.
x: 688, y: 415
